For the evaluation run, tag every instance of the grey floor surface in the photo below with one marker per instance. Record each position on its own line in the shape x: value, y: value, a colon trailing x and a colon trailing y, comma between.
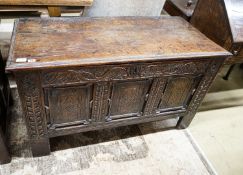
x: 217, y: 127
x: 153, y: 149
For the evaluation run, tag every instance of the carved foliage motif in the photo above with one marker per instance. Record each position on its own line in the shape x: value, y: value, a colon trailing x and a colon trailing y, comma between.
x: 29, y: 93
x: 203, y: 88
x: 108, y: 73
x: 100, y: 103
x: 153, y: 101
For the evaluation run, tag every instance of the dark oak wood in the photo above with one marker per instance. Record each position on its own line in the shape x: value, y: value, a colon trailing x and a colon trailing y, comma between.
x: 222, y: 21
x: 183, y: 8
x: 76, y: 75
x: 4, y: 106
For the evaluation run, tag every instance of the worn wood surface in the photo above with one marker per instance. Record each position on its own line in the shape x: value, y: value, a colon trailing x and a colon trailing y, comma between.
x: 39, y: 43
x: 222, y: 21
x: 48, y: 2
x: 183, y: 8
x: 76, y: 75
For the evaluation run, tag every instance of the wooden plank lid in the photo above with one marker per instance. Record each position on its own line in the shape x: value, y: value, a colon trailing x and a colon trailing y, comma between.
x: 59, y: 42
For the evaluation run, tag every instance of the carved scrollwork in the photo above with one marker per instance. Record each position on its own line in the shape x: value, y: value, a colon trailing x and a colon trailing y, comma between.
x: 107, y: 73
x: 76, y: 75
x: 176, y: 68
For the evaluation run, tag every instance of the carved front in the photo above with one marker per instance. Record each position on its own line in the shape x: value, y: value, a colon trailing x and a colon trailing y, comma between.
x: 87, y: 96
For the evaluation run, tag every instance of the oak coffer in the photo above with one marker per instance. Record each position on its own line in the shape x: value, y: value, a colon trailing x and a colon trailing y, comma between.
x: 222, y: 21
x: 80, y: 74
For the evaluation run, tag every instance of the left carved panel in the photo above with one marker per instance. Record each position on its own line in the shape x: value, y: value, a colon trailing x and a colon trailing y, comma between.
x: 68, y: 106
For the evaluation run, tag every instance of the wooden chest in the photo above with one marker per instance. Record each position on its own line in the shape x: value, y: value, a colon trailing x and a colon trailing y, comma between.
x: 183, y: 8
x: 81, y: 74
x: 222, y: 21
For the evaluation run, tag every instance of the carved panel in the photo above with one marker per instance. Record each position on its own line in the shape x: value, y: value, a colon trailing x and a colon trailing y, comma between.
x: 128, y: 98
x: 155, y: 93
x: 123, y: 72
x: 69, y: 105
x: 176, y: 93
x: 101, y: 94
x: 30, y: 94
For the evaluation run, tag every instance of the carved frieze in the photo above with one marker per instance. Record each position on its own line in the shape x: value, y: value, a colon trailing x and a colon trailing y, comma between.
x: 122, y: 72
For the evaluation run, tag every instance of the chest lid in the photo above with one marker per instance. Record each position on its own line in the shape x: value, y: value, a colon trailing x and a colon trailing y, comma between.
x: 235, y: 15
x: 59, y: 42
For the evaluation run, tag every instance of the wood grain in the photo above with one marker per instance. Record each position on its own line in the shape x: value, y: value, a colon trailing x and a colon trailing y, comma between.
x: 48, y: 2
x: 61, y: 42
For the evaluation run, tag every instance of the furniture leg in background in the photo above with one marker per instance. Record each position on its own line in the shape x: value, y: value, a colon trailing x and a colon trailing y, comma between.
x: 4, y: 152
x: 226, y: 77
x: 4, y: 111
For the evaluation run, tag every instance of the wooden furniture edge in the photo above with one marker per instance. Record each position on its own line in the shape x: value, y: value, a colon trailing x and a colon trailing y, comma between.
x: 47, y: 2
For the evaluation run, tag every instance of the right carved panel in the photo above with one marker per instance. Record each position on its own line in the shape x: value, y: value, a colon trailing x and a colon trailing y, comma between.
x: 176, y: 93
